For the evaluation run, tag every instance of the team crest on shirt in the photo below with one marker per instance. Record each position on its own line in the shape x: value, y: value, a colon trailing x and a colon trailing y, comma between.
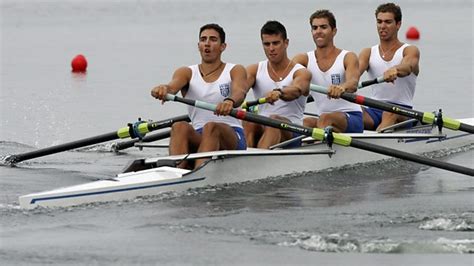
x: 336, y: 79
x: 225, y: 89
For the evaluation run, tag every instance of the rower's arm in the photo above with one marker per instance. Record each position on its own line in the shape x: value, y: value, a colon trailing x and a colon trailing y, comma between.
x: 352, y: 73
x: 239, y: 86
x: 299, y: 86
x: 410, y: 62
x: 180, y: 79
x: 251, y: 75
x: 364, y: 57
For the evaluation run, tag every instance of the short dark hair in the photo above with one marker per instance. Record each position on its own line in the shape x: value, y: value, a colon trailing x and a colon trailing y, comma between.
x: 215, y: 27
x: 324, y: 13
x: 273, y: 27
x: 390, y: 8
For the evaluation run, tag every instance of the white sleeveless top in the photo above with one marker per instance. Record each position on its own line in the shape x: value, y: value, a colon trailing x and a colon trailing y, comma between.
x: 403, y: 90
x: 333, y: 76
x: 293, y: 110
x: 214, y: 92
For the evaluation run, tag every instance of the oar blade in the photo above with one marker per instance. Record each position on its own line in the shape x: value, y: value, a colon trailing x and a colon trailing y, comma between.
x: 138, y: 129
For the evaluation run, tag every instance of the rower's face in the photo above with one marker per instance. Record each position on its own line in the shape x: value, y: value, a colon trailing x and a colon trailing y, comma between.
x: 387, y: 27
x: 274, y: 47
x: 210, y: 45
x: 322, y: 32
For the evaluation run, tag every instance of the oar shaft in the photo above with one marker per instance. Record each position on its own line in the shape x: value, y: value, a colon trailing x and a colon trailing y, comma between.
x: 319, y: 134
x: 370, y: 82
x: 425, y: 117
x: 61, y: 147
x: 248, y: 104
x: 411, y: 157
x: 124, y: 132
x: 149, y: 138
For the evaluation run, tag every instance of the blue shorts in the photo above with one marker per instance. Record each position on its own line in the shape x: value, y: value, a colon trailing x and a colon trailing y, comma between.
x: 376, y: 114
x: 355, y: 123
x: 239, y: 132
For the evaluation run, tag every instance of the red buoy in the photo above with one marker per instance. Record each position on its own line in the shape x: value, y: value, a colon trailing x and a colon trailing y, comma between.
x: 79, y: 63
x: 413, y: 33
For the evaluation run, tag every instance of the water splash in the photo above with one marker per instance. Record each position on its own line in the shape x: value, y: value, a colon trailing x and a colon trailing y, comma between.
x: 446, y: 224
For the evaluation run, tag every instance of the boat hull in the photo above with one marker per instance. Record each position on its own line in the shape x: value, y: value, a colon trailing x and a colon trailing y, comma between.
x: 228, y: 167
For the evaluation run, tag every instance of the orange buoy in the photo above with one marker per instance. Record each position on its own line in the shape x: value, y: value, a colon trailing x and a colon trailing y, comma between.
x: 413, y: 33
x: 79, y: 63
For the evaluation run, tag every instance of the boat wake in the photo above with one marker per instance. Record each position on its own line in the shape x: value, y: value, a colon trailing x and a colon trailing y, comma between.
x: 346, y: 243
x: 332, y: 243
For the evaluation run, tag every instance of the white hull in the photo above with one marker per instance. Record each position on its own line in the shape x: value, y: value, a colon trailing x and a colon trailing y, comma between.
x: 234, y: 166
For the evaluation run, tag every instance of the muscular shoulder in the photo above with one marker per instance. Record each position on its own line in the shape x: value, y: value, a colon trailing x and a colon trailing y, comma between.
x: 301, y: 59
x: 411, y: 50
x: 365, y: 52
x: 252, y: 69
x: 350, y: 58
x: 238, y: 69
x: 183, y: 71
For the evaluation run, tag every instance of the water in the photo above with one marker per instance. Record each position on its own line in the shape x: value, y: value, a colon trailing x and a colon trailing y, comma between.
x: 392, y: 213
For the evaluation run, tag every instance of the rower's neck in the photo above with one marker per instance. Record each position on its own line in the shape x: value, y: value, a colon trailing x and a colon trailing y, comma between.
x: 281, y: 65
x: 326, y: 52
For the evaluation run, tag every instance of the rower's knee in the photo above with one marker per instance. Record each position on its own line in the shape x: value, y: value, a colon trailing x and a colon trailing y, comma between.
x: 181, y: 128
x: 310, y: 122
x: 210, y: 129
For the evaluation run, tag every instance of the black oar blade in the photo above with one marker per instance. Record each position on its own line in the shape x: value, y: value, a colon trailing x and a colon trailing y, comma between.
x: 411, y: 157
x: 16, y: 158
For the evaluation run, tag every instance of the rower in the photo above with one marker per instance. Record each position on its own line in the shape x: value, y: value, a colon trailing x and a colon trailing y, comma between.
x: 397, y: 62
x: 283, y: 83
x: 336, y: 69
x: 213, y: 81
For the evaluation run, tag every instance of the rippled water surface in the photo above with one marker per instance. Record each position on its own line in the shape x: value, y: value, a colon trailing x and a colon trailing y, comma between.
x: 384, y: 213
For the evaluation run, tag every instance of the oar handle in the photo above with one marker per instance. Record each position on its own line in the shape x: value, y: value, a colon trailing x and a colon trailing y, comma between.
x: 370, y: 82
x: 248, y: 104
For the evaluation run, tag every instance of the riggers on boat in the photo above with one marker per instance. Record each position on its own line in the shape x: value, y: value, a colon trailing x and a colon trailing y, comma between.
x: 152, y: 176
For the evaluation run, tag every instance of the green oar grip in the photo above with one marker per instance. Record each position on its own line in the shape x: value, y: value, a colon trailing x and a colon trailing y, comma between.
x: 451, y: 123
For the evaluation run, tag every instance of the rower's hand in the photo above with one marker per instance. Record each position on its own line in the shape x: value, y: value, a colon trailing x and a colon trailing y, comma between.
x: 335, y: 91
x: 224, y: 108
x: 390, y: 75
x: 273, y: 96
x: 159, y: 92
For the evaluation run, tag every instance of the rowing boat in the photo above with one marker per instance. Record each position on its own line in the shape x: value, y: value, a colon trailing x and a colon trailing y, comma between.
x: 151, y: 176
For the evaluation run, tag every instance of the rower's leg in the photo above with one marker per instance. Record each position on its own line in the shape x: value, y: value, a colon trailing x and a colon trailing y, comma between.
x: 369, y: 123
x: 389, y: 119
x: 272, y: 136
x: 252, y: 132
x: 311, y: 122
x: 216, y: 136
x: 337, y: 120
x: 184, y: 139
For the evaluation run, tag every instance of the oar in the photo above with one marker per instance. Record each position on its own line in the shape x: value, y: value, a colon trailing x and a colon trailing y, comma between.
x: 320, y: 134
x: 248, y: 104
x: 361, y: 85
x: 136, y: 130
x: 148, y: 138
x: 425, y: 117
x: 370, y: 82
